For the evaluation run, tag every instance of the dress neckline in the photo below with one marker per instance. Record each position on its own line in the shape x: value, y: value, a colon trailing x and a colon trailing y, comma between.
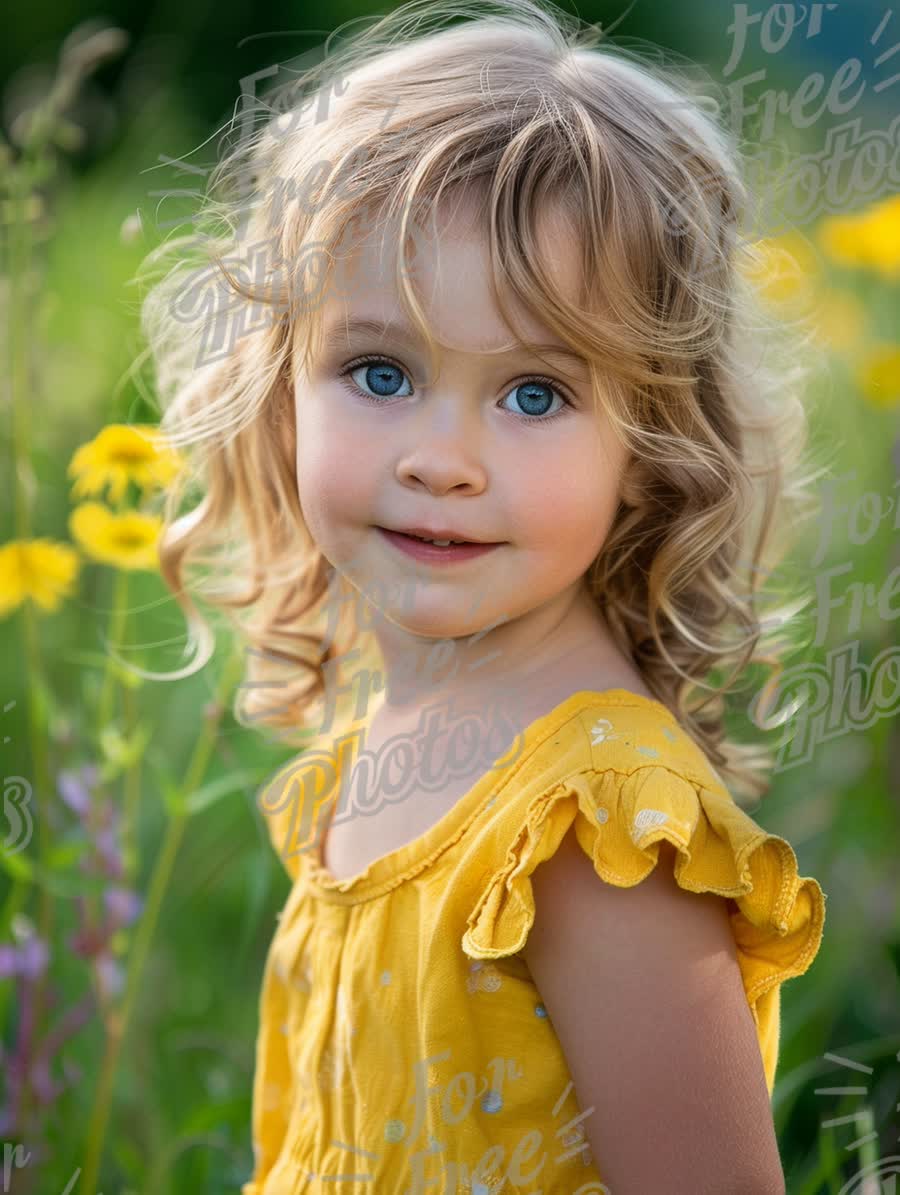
x: 398, y: 865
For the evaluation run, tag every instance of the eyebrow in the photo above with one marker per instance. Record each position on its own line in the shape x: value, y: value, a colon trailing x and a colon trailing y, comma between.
x: 340, y: 333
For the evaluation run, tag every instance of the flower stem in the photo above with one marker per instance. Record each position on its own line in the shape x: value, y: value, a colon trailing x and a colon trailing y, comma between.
x: 117, y: 623
x: 130, y: 845
x: 120, y: 1020
x: 93, y: 904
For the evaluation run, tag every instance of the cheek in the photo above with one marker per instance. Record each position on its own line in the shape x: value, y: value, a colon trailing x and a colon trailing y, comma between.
x: 336, y: 474
x: 568, y: 503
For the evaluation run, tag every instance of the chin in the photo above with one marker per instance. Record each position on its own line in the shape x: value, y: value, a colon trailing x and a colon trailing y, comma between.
x: 434, y: 623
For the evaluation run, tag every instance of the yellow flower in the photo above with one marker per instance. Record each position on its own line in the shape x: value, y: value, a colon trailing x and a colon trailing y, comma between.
x: 39, y: 569
x: 882, y: 229
x: 121, y: 453
x: 125, y: 540
x: 879, y: 375
x: 843, y: 240
x: 870, y: 238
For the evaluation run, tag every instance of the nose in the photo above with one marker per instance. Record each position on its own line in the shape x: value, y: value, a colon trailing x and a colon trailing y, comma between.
x: 443, y: 451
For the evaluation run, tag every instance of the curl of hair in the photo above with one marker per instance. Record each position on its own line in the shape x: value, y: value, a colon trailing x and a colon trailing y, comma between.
x: 525, y: 107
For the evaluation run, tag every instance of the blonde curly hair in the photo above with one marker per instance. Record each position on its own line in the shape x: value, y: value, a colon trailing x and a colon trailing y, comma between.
x: 531, y: 107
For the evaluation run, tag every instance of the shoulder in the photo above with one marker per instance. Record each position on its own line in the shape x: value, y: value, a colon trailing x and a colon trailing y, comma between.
x: 627, y: 846
x: 623, y: 734
x: 615, y: 732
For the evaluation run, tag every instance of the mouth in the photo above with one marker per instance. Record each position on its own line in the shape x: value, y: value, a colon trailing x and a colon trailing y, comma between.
x: 441, y: 538
x: 436, y: 549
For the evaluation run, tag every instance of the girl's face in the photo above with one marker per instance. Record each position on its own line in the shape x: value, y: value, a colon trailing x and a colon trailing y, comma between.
x: 497, y: 446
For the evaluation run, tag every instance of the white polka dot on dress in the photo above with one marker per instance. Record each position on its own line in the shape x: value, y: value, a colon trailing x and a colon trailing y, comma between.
x: 602, y: 732
x: 647, y: 818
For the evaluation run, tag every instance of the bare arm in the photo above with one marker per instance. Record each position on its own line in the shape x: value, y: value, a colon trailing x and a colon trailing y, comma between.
x: 644, y: 991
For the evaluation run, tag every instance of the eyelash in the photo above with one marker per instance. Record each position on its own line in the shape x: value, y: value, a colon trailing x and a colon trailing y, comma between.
x: 378, y: 360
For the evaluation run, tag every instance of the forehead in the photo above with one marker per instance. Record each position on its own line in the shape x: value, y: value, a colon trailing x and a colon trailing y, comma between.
x: 449, y: 268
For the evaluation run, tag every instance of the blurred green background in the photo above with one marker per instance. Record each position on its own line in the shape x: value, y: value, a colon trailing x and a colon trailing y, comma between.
x: 134, y: 921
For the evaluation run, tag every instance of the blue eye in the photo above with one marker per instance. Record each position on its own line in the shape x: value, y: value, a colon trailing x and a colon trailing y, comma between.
x: 385, y: 378
x: 535, y: 394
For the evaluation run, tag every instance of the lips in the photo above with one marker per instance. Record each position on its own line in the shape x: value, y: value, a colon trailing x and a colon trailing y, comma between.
x: 438, y: 534
x: 434, y: 554
x: 440, y: 541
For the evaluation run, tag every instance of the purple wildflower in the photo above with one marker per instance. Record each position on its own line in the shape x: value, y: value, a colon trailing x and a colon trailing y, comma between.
x: 29, y: 959
x: 110, y: 978
x: 123, y: 905
x: 110, y: 851
x: 74, y: 786
x: 9, y: 961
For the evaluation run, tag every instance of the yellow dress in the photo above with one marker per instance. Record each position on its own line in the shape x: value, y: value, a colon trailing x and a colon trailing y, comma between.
x: 403, y: 1046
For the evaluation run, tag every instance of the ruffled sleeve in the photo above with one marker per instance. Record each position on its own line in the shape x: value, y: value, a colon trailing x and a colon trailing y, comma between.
x: 620, y: 820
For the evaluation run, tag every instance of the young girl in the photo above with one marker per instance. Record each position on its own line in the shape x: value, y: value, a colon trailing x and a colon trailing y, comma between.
x: 491, y: 292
